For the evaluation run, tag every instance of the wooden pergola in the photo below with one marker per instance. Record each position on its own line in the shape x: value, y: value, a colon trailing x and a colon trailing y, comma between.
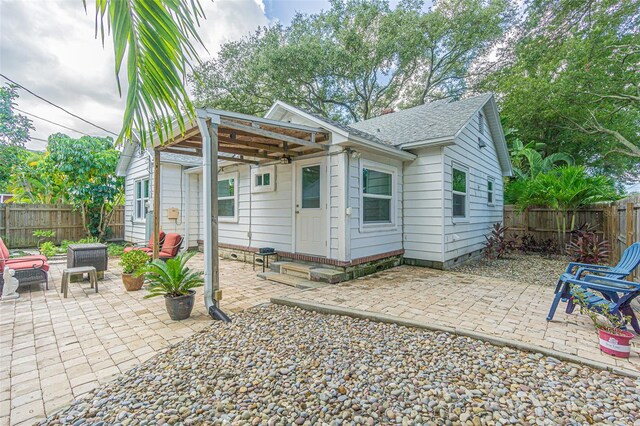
x: 234, y: 138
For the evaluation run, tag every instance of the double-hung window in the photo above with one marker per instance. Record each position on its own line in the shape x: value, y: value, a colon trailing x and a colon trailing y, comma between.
x: 459, y: 192
x: 377, y: 196
x: 141, y: 199
x: 227, y: 201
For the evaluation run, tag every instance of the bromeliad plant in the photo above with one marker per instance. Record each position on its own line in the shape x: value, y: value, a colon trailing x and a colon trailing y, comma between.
x: 171, y: 278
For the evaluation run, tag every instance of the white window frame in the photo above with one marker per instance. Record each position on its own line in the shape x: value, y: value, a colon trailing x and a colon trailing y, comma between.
x: 465, y: 170
x: 236, y: 190
x: 492, y: 191
x: 393, y: 221
x: 261, y: 171
x: 145, y: 200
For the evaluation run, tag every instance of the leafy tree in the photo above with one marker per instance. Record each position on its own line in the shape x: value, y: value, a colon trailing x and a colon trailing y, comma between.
x: 566, y: 189
x: 14, y: 128
x: 9, y: 157
x: 356, y: 59
x: 571, y: 80
x: 158, y: 40
x: 80, y: 172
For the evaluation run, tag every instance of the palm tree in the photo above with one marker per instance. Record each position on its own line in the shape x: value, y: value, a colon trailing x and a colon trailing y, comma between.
x: 566, y: 189
x: 156, y: 36
x: 528, y: 162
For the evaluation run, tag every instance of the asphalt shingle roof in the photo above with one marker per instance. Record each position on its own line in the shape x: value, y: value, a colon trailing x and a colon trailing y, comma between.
x: 434, y: 120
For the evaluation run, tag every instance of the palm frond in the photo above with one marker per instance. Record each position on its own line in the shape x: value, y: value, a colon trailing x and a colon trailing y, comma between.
x: 171, y: 278
x: 156, y: 36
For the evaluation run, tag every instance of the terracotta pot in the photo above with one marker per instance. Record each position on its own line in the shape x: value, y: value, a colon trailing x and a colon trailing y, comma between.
x: 618, y: 344
x: 132, y: 283
x: 180, y: 307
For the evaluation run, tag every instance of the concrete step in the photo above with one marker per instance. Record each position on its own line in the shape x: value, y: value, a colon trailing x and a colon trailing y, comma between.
x: 290, y: 280
x: 296, y: 269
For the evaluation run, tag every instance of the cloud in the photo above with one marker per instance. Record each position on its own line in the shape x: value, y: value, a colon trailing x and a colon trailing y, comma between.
x: 50, y: 47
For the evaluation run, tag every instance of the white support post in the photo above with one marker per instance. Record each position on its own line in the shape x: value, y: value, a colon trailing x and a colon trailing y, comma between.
x: 208, y: 125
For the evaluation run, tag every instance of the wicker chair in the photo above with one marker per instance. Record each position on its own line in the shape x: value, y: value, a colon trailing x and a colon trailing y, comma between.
x: 29, y: 269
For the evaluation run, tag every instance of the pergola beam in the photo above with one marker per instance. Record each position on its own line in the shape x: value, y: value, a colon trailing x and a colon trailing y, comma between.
x: 270, y: 134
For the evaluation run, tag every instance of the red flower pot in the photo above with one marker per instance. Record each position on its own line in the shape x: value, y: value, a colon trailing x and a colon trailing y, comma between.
x: 616, y: 344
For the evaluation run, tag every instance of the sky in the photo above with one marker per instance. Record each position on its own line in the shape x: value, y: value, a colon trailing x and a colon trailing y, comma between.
x: 49, y: 46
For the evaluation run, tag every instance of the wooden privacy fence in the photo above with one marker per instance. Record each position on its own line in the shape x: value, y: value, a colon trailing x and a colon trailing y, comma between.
x: 18, y: 221
x: 618, y: 223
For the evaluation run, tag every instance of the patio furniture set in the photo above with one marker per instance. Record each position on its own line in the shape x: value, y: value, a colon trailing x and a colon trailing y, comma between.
x: 91, y: 259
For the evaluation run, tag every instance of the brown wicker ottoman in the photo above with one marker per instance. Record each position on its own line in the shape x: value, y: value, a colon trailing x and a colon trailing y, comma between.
x: 88, y: 255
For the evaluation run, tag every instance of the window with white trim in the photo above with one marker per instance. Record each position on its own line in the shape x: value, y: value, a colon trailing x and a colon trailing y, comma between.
x: 480, y: 123
x: 459, y: 186
x: 490, y: 184
x: 227, y: 198
x: 263, y: 179
x: 141, y: 188
x: 377, y: 196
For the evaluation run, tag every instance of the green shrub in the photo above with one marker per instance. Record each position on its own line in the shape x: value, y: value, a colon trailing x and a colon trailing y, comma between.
x: 64, y: 245
x: 88, y: 240
x: 133, y: 260
x: 48, y: 249
x: 115, y: 249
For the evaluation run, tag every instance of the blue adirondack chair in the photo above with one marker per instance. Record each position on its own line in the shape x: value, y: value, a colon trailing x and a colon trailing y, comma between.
x: 616, y: 295
x: 575, y: 271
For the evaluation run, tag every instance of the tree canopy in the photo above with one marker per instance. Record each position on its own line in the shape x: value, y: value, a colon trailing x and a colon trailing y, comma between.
x: 80, y: 172
x: 355, y: 59
x: 571, y: 80
x: 14, y: 127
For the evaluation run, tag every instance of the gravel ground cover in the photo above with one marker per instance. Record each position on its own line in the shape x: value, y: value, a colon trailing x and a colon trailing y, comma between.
x: 280, y: 365
x: 526, y: 268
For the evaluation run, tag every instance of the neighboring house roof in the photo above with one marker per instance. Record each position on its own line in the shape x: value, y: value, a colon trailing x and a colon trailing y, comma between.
x: 438, y: 122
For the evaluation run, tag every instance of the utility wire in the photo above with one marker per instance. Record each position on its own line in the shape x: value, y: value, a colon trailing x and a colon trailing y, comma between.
x: 52, y: 122
x: 57, y: 106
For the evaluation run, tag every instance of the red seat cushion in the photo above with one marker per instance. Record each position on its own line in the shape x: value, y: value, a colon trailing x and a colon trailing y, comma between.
x: 171, y: 245
x: 4, y: 254
x: 38, y: 262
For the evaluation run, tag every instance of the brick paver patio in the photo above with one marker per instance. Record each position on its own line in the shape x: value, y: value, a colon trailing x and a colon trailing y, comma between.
x: 53, y: 350
x: 507, y: 309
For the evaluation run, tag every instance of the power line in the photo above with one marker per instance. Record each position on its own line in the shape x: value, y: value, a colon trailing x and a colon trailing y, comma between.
x: 52, y: 122
x: 57, y: 106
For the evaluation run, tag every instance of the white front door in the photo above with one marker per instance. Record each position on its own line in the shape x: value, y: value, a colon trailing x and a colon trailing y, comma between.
x: 310, y: 212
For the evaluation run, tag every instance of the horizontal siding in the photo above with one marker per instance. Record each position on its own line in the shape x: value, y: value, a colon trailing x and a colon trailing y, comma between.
x: 367, y: 242
x: 423, y: 205
x: 264, y: 219
x: 139, y: 168
x: 463, y: 237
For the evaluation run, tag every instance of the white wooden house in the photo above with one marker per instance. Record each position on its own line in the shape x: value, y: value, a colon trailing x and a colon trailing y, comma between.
x: 423, y: 185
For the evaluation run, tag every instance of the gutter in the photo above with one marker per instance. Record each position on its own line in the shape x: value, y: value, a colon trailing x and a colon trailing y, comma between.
x: 443, y: 141
x: 387, y: 149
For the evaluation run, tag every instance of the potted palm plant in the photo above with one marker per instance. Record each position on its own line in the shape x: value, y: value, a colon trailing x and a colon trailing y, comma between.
x: 175, y: 281
x: 131, y: 262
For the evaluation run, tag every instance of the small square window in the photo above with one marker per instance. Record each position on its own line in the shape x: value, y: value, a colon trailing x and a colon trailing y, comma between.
x: 263, y: 179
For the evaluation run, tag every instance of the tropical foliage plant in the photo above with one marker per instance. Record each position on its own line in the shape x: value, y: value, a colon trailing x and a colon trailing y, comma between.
x: 602, y: 319
x: 133, y: 260
x: 171, y: 278
x: 497, y: 245
x: 48, y: 249
x: 585, y: 246
x: 565, y: 189
x: 156, y: 39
